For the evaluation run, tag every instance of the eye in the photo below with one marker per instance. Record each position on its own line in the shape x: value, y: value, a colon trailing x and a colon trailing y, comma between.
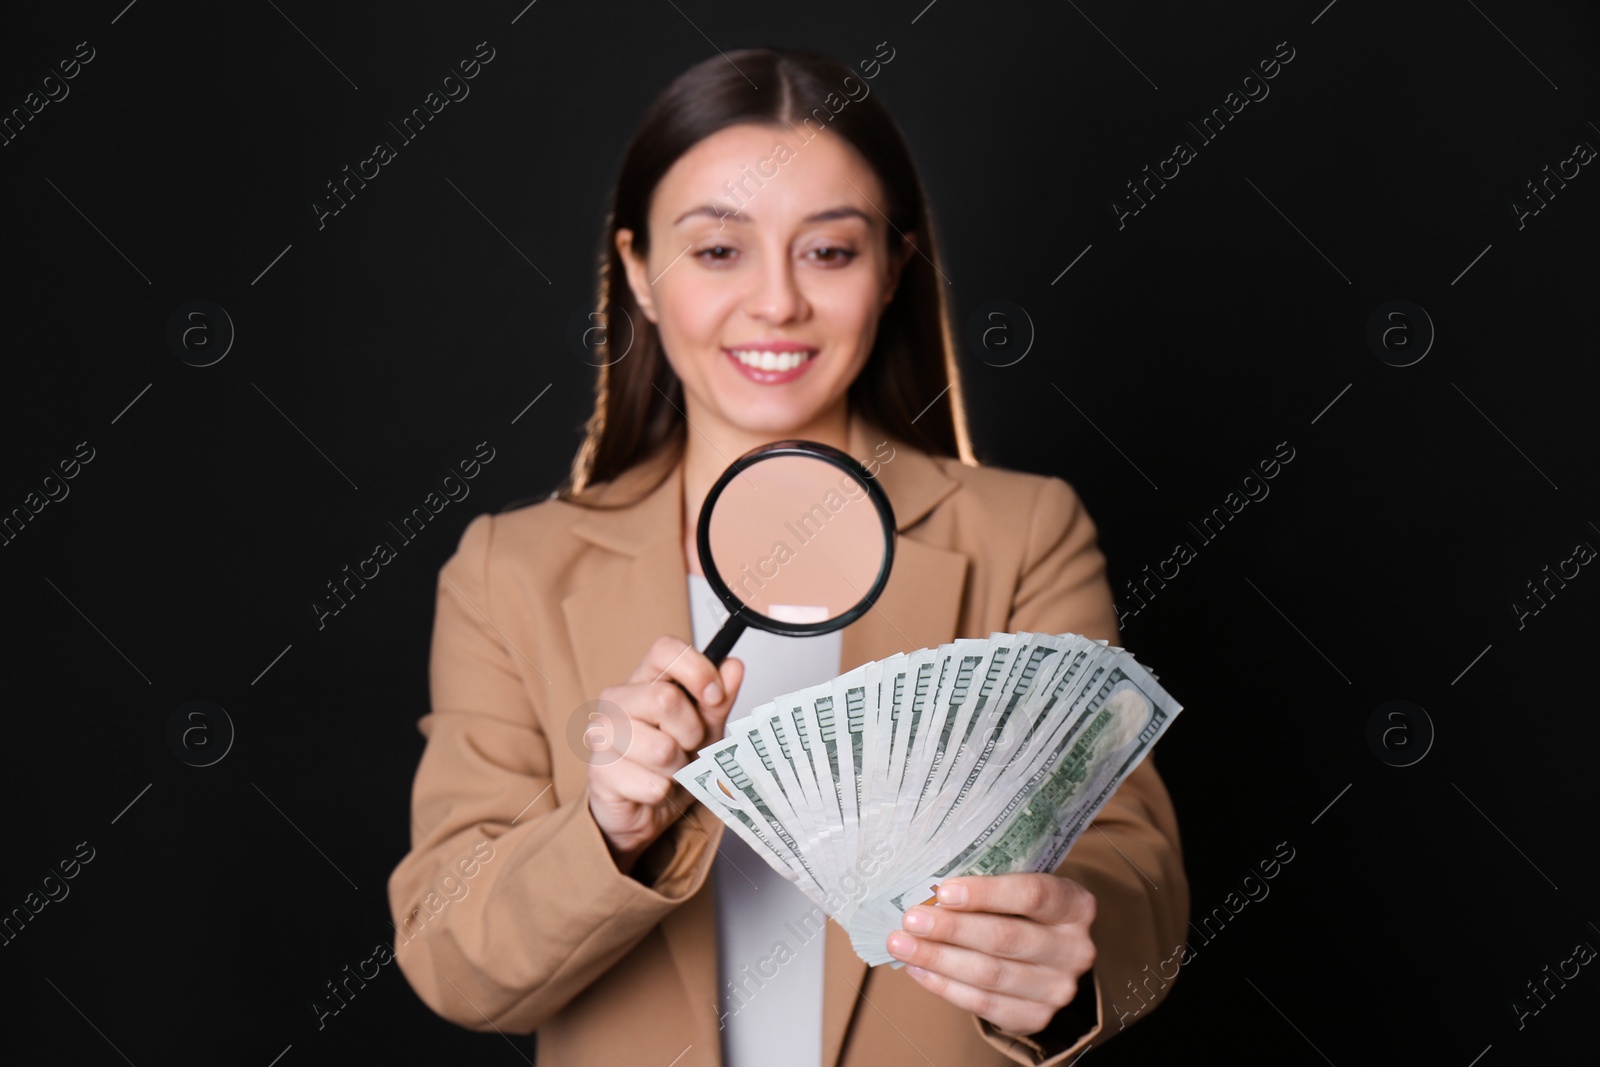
x: 705, y: 255
x: 840, y: 255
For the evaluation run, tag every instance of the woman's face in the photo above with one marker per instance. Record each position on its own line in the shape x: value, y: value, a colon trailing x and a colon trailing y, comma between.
x: 767, y: 274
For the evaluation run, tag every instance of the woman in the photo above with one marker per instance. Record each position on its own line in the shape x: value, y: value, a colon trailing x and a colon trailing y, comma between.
x: 771, y: 267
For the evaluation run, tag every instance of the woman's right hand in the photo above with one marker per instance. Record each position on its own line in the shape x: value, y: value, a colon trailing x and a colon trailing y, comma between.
x: 634, y: 798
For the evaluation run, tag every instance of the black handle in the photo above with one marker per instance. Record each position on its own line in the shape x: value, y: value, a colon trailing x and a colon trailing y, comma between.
x: 726, y: 638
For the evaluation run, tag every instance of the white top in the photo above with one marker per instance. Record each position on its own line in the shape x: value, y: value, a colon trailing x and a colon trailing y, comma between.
x: 769, y: 934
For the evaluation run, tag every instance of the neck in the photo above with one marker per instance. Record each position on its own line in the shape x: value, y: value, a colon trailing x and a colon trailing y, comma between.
x: 712, y: 445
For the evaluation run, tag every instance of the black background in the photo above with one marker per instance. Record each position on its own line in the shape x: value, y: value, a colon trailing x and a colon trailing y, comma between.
x: 1228, y: 316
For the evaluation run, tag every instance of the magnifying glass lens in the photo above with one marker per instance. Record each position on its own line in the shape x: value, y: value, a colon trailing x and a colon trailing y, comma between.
x: 797, y: 539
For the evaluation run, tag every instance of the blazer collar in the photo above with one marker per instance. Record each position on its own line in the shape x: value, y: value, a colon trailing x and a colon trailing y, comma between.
x: 612, y: 622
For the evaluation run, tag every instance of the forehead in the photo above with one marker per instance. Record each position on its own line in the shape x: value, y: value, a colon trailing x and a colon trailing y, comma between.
x: 771, y: 174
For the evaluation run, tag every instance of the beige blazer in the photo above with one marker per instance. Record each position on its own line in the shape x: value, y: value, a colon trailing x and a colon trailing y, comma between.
x: 510, y: 912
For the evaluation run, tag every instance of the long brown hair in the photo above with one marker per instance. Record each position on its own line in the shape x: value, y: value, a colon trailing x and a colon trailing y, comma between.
x: 909, y: 386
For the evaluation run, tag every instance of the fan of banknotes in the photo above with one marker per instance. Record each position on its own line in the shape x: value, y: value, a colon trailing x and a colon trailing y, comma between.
x: 982, y: 756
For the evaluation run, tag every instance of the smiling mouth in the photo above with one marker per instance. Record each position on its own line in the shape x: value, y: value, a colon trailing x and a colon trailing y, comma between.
x: 770, y: 361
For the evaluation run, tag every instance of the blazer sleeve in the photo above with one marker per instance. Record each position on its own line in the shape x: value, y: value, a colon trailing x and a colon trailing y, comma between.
x: 1130, y: 856
x: 509, y: 902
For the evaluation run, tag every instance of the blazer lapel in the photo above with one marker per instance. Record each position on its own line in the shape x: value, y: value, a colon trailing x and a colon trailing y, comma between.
x: 613, y: 620
x: 611, y: 623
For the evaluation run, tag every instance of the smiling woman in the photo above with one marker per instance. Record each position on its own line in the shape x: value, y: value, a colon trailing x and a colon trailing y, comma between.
x: 778, y: 295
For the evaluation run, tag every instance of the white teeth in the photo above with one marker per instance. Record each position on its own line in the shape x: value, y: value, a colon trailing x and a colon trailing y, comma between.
x: 774, y: 361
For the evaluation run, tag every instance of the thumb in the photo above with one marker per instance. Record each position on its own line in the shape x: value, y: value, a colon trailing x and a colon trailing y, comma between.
x: 716, y: 715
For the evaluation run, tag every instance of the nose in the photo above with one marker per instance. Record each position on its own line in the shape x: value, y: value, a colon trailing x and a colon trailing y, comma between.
x: 775, y: 294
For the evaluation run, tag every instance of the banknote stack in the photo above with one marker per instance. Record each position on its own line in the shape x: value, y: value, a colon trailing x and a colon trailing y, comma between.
x: 982, y: 756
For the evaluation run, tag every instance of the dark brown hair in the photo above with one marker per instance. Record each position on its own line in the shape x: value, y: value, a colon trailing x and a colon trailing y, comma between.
x: 909, y: 386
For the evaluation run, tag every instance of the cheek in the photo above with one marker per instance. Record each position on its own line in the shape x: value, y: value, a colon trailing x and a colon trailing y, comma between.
x: 689, y: 317
x: 857, y: 322
x: 848, y: 308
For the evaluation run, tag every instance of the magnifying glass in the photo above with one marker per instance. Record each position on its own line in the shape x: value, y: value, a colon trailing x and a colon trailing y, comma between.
x: 795, y: 538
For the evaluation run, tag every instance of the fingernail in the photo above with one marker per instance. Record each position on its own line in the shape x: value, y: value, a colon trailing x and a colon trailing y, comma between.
x: 713, y: 693
x: 901, y: 944
x: 917, y: 921
x: 912, y: 968
x: 952, y: 893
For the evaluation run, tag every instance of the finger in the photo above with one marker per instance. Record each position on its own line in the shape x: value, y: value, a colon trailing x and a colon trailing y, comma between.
x: 716, y: 715
x: 980, y: 970
x: 1046, y: 898
x: 1017, y: 1014
x: 655, y: 749
x: 663, y: 705
x: 673, y: 658
x: 1006, y: 936
x: 634, y: 782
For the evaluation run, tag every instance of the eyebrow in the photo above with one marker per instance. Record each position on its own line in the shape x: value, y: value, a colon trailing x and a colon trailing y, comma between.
x: 717, y: 212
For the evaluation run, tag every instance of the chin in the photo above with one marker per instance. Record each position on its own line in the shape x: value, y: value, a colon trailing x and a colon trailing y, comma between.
x: 775, y: 420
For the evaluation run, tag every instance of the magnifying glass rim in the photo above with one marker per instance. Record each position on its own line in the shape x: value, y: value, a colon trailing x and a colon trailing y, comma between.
x: 811, y: 450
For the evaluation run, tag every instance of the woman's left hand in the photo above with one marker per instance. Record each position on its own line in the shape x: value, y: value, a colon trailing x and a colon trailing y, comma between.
x: 1010, y: 948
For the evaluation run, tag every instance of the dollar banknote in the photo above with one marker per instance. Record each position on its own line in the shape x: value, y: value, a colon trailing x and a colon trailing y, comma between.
x: 982, y: 756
